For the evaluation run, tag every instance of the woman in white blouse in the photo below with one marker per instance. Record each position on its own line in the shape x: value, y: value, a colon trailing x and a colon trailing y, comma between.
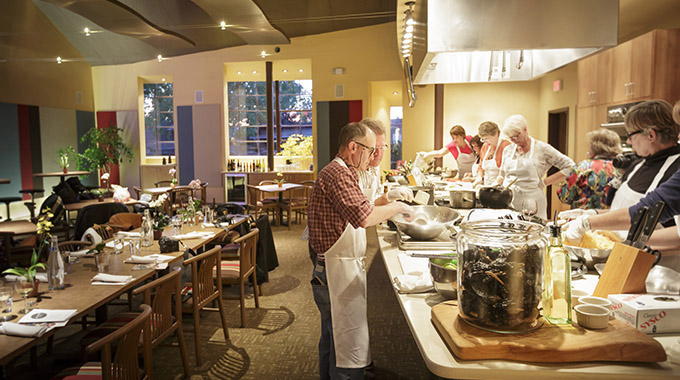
x: 527, y: 161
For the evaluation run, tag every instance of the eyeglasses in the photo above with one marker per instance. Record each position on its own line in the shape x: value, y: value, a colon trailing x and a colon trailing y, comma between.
x: 382, y: 148
x: 515, y: 137
x: 371, y: 150
x: 630, y: 135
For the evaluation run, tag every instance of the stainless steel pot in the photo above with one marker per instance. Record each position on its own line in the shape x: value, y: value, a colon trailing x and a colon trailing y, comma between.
x: 444, y: 278
x: 464, y: 199
x: 428, y: 223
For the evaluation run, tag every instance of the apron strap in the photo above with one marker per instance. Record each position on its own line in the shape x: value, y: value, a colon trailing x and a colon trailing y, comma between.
x: 669, y: 161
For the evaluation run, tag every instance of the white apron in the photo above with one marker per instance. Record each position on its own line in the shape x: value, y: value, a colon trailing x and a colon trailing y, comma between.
x: 529, y: 185
x: 491, y: 169
x: 370, y: 190
x: 465, y: 160
x: 346, y: 274
x: 626, y: 197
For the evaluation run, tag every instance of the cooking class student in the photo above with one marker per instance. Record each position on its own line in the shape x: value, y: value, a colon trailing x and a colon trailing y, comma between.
x: 338, y: 213
x: 665, y: 240
x: 460, y: 150
x: 491, y: 153
x: 476, y: 144
x: 526, y: 162
x: 369, y: 179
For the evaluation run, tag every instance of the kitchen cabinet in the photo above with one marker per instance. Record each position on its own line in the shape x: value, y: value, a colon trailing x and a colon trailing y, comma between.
x: 632, y: 69
x: 593, y: 79
x: 587, y: 119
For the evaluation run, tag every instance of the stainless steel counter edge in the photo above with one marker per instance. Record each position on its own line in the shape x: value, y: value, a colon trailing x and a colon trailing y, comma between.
x: 441, y: 362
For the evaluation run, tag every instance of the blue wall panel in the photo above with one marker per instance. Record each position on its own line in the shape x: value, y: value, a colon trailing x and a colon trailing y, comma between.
x: 185, y: 144
x: 10, y: 156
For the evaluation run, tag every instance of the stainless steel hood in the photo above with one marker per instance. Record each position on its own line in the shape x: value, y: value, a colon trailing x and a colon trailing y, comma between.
x: 459, y: 41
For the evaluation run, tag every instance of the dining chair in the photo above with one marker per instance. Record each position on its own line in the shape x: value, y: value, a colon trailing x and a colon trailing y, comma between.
x: 257, y: 205
x: 98, y: 213
x: 205, y: 289
x: 236, y: 272
x: 266, y: 199
x: 138, y: 191
x: 124, y: 363
x: 164, y: 296
x: 178, y: 198
x: 295, y: 201
x: 163, y: 183
x: 309, y: 185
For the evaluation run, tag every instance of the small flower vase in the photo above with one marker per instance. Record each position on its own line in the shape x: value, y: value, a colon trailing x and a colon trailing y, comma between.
x: 65, y: 170
x: 280, y: 184
x: 34, y: 292
x: 172, y: 185
x: 100, y: 199
x: 157, y: 234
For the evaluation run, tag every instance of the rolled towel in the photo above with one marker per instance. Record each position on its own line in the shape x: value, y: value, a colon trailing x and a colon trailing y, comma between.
x: 105, y: 278
x: 142, y: 260
x: 28, y: 331
x: 407, y: 283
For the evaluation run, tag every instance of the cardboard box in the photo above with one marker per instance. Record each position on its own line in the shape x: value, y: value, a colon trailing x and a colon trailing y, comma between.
x: 649, y: 313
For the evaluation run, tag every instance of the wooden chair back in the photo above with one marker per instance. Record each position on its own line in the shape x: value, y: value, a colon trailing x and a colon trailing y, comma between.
x: 125, y: 362
x: 73, y: 245
x: 158, y: 294
x: 138, y: 191
x: 267, y: 182
x: 178, y: 197
x: 248, y: 251
x: 163, y: 183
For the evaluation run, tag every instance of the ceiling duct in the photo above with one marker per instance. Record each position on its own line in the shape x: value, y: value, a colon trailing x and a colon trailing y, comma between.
x: 461, y: 41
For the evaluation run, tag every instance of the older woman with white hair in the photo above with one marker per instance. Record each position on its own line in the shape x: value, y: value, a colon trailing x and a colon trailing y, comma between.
x: 526, y: 162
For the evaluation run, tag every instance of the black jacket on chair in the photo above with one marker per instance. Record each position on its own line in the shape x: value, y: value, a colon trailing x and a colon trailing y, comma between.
x: 96, y: 214
x: 266, y: 251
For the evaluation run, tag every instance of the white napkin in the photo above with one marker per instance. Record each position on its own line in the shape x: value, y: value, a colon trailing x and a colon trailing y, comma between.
x: 130, y: 233
x: 110, y: 244
x: 41, y: 276
x: 16, y: 329
x: 110, y: 279
x: 150, y: 259
x: 81, y: 253
x: 411, y: 283
x: 194, y: 235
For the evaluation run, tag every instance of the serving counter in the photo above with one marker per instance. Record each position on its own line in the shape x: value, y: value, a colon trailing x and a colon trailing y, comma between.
x: 440, y: 361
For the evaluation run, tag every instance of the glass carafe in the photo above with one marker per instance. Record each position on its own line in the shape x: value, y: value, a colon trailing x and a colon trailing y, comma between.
x: 500, y: 274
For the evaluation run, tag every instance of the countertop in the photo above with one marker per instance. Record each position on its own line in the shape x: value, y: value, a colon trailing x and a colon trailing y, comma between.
x: 441, y: 362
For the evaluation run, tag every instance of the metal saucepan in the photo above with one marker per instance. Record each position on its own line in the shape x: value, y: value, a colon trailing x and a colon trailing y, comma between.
x: 464, y: 199
x: 428, y: 223
x: 495, y: 197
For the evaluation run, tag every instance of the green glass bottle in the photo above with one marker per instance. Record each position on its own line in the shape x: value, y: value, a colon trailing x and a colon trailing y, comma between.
x: 557, y: 295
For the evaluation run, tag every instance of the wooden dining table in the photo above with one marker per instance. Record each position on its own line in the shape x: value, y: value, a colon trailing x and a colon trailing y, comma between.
x: 275, y: 188
x: 80, y: 295
x: 62, y: 175
x: 18, y: 227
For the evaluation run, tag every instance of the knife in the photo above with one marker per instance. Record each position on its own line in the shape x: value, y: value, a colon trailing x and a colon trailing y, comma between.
x: 636, y: 225
x: 652, y: 219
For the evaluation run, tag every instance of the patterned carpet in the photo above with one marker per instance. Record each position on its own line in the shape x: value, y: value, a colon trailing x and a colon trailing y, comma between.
x: 280, y: 338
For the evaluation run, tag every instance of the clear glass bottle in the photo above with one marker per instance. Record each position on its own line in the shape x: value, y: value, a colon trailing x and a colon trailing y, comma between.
x: 55, y: 266
x: 557, y: 296
x: 500, y: 274
x: 147, y: 229
x: 191, y: 211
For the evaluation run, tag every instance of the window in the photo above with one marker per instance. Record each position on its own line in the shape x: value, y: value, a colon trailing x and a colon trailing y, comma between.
x: 247, y: 107
x: 396, y: 116
x: 159, y: 119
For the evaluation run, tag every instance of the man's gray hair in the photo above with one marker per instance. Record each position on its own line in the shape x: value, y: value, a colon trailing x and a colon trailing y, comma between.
x: 350, y: 132
x: 375, y: 125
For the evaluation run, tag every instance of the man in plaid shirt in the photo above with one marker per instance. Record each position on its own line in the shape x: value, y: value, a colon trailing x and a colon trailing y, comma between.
x: 338, y: 212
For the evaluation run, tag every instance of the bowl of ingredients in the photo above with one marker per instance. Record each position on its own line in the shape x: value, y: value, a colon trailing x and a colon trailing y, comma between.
x: 428, y: 222
x: 444, y: 274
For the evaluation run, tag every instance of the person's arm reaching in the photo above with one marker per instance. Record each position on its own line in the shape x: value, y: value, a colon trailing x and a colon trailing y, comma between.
x: 382, y: 213
x: 435, y: 153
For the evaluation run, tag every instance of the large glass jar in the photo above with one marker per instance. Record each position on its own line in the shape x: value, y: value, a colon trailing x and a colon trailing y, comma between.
x: 500, y: 274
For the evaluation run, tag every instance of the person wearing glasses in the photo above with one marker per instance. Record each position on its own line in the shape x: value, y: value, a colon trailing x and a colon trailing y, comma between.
x: 526, y: 162
x: 369, y: 180
x: 339, y: 212
x: 460, y: 150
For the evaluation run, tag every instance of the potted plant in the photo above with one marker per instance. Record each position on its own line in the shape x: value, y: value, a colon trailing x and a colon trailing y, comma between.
x: 297, y: 145
x: 43, y: 229
x: 173, y: 173
x: 279, y: 179
x: 64, y: 155
x: 105, y: 147
x: 160, y: 218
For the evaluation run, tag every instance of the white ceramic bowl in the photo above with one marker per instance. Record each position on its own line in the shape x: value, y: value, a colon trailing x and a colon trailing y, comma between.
x: 599, y: 301
x: 575, y: 295
x: 592, y: 316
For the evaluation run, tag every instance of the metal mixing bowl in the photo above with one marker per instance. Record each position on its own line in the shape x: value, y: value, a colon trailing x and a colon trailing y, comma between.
x: 444, y: 279
x: 428, y: 223
x: 590, y: 255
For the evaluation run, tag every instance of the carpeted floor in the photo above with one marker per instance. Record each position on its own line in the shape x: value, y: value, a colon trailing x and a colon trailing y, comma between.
x: 280, y: 338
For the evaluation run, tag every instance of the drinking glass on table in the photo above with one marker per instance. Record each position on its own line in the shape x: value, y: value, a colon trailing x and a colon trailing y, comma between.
x: 101, y: 259
x: 118, y: 242
x: 135, y: 243
x: 529, y: 208
x: 24, y: 288
x: 6, y: 293
x: 176, y: 225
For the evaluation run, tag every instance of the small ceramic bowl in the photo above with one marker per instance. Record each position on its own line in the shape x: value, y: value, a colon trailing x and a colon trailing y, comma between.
x: 592, y: 300
x: 592, y: 316
x: 575, y: 295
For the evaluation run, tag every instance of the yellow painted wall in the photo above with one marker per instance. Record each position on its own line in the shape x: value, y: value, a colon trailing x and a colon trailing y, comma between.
x: 381, y: 99
x: 418, y: 122
x: 550, y: 100
x: 31, y: 75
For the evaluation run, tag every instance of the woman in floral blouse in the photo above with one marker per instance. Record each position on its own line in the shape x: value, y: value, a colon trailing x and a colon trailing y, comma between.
x: 588, y: 183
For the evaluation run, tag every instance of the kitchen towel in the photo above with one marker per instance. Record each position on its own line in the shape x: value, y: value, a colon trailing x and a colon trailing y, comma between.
x: 16, y: 329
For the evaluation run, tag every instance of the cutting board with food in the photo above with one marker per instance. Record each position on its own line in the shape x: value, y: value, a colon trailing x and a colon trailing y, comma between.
x: 548, y: 344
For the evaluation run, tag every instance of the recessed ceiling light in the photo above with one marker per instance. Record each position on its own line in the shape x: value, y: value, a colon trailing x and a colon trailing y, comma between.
x: 285, y: 70
x: 409, y: 29
x: 254, y: 71
x: 408, y: 35
x: 300, y: 70
x: 87, y: 31
x: 59, y: 60
x: 223, y: 25
x: 160, y: 58
x: 239, y: 73
x: 395, y: 93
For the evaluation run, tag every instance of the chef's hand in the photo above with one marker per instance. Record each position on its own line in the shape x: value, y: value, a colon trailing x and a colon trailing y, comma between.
x: 406, y: 211
x: 575, y: 229
x: 400, y: 193
x: 575, y: 213
x: 499, y: 181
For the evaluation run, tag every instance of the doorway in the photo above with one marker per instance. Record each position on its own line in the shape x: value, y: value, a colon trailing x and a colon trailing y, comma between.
x: 558, y: 125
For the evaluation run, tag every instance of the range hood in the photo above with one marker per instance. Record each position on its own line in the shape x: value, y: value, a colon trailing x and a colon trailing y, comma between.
x: 462, y: 41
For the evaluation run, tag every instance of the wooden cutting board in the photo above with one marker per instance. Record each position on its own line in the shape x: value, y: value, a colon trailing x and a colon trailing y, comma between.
x: 548, y: 344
